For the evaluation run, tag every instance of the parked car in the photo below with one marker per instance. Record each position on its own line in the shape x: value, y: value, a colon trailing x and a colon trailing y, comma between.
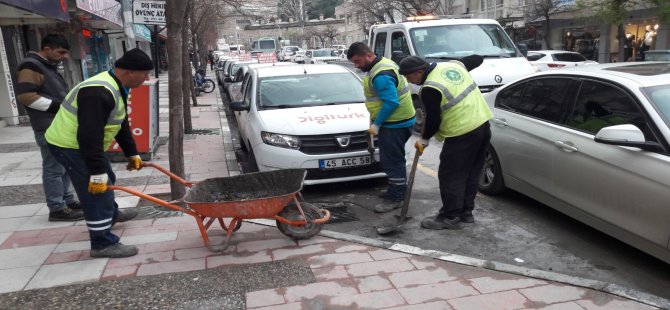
x: 323, y: 55
x: 232, y: 70
x: 288, y: 119
x: 235, y: 86
x: 220, y: 69
x: 285, y: 53
x: 657, y: 55
x: 298, y: 57
x: 548, y: 60
x: 592, y: 142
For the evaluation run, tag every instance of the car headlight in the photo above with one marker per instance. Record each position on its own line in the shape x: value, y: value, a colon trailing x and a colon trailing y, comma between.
x: 275, y: 139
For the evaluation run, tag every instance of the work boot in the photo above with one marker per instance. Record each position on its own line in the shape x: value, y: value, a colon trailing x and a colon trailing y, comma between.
x: 467, y: 218
x: 66, y: 215
x: 75, y: 205
x: 124, y: 216
x: 440, y: 222
x: 115, y: 251
x: 388, y: 205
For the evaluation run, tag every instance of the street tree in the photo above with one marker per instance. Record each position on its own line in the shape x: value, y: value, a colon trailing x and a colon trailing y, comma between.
x: 615, y: 12
x: 545, y: 10
x: 175, y: 21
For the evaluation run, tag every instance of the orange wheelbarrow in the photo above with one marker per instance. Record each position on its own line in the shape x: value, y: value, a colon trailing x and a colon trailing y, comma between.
x: 247, y: 196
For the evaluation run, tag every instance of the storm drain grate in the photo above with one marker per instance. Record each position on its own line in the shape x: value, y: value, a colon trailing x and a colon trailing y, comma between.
x: 339, y: 211
x: 205, y: 131
x: 148, y: 210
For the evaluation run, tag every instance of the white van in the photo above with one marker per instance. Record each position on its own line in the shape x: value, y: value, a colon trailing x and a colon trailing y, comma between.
x: 439, y: 40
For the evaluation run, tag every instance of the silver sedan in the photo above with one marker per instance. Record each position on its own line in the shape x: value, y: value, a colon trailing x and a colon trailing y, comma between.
x: 592, y: 142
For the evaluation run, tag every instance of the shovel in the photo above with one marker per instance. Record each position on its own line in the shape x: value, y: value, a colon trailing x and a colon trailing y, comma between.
x: 402, y: 219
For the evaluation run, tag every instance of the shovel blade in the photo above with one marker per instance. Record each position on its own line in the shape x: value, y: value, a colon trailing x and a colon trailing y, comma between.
x: 385, y: 230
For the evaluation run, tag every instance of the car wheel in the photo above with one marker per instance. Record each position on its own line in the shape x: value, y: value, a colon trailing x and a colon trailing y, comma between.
x: 420, y: 114
x: 251, y: 161
x: 491, y: 179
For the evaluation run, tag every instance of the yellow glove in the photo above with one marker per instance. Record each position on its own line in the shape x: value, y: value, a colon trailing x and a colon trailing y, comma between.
x: 374, y: 130
x: 97, y: 184
x: 134, y: 163
x: 420, y: 145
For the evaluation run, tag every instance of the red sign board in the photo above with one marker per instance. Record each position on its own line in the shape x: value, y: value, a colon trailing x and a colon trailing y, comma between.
x: 244, y: 57
x: 139, y: 118
x: 267, y: 58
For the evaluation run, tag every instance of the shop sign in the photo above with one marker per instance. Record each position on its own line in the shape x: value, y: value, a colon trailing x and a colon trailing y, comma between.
x: 48, y: 8
x: 106, y: 9
x: 142, y: 31
x: 149, y: 12
x: 267, y: 58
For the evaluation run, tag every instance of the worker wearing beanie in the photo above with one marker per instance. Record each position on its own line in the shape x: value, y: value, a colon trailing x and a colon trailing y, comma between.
x: 92, y: 115
x: 388, y: 99
x: 457, y: 114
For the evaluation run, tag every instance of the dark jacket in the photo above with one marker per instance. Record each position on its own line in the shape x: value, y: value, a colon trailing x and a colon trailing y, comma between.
x: 41, y: 89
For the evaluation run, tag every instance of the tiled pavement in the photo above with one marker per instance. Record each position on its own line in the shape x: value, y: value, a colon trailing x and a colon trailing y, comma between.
x: 35, y: 253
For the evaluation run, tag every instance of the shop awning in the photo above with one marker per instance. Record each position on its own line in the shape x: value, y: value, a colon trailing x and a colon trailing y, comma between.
x: 26, y: 12
x: 100, y: 14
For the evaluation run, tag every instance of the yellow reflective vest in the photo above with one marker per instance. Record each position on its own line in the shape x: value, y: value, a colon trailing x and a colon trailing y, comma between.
x: 63, y: 129
x: 462, y: 108
x: 372, y: 101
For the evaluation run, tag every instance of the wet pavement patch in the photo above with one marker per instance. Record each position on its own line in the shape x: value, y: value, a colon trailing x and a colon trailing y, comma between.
x: 218, y: 288
x: 21, y: 194
x: 340, y: 212
x: 18, y: 147
x: 149, y: 210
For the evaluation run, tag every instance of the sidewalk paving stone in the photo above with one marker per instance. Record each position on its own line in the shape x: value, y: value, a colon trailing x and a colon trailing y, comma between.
x: 435, y: 305
x: 25, y: 257
x: 15, y: 279
x: 508, y: 300
x: 432, y: 292
x: 67, y: 273
x: 171, y: 267
x: 373, y: 300
x: 489, y: 285
x: 21, y: 210
x: 553, y: 293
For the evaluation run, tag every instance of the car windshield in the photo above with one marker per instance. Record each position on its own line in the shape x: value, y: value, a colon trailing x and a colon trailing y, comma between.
x: 291, y: 49
x: 458, y: 41
x: 307, y: 90
x: 321, y: 53
x: 660, y: 98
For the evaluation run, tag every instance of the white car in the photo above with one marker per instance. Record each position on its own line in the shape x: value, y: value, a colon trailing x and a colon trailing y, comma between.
x: 549, y: 59
x: 323, y: 55
x: 592, y: 142
x: 286, y: 52
x: 288, y: 119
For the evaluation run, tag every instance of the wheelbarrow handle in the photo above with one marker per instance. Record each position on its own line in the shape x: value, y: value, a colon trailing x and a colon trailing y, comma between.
x: 170, y: 174
x: 153, y: 199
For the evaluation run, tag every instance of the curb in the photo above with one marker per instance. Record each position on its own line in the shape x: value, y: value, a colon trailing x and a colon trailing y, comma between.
x: 611, y: 288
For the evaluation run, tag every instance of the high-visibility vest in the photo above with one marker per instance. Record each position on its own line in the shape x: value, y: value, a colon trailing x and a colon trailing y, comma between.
x: 462, y: 108
x: 372, y: 101
x: 63, y: 129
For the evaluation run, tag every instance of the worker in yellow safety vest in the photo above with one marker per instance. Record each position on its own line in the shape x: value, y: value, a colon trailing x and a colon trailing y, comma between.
x: 92, y: 115
x: 388, y: 99
x: 457, y: 114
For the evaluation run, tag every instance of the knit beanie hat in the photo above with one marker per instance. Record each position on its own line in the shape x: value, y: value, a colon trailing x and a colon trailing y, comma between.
x: 412, y: 64
x: 134, y: 59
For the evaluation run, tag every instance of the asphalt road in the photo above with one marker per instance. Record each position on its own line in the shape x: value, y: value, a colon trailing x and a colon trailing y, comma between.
x: 512, y: 229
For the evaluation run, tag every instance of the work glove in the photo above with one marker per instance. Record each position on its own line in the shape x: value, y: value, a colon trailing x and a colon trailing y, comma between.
x: 134, y: 163
x: 97, y: 184
x: 420, y: 145
x: 374, y: 130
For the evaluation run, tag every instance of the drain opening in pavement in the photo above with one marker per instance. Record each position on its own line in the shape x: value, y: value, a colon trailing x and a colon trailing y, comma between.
x: 340, y: 212
x: 149, y: 210
x: 205, y: 131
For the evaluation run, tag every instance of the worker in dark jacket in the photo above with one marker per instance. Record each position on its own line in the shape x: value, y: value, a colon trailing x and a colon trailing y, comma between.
x: 92, y: 115
x: 41, y: 89
x: 388, y: 99
x: 457, y: 114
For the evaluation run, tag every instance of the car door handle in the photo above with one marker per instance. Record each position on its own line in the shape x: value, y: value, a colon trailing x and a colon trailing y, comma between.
x: 500, y: 121
x: 566, y: 146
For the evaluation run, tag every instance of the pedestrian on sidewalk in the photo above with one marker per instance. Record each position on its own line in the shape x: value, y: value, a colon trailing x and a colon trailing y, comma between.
x: 388, y: 99
x: 93, y: 114
x: 41, y: 89
x: 457, y: 114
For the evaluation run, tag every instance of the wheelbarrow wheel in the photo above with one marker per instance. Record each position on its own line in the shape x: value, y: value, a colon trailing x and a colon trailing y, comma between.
x: 292, y: 213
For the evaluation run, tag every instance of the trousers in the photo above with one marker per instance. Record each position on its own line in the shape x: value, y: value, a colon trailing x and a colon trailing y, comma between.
x: 99, y: 210
x: 392, y: 159
x: 56, y: 183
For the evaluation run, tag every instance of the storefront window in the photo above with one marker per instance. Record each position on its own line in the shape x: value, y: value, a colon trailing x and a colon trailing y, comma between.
x: 640, y: 37
x: 96, y: 59
x: 582, y: 40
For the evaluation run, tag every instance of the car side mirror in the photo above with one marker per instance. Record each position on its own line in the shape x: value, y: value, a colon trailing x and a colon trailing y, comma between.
x: 626, y: 135
x: 238, y: 106
x: 397, y: 56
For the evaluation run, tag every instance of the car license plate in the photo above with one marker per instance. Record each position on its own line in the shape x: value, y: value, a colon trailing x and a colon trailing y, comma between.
x: 346, y: 162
